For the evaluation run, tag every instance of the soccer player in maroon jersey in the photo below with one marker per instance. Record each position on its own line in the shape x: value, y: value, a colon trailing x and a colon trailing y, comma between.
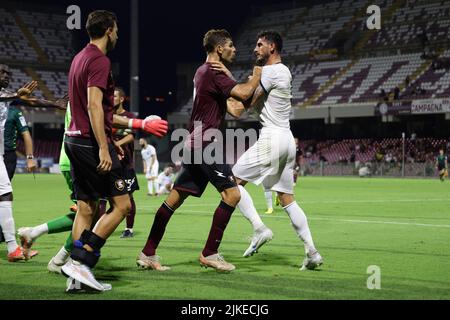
x: 212, y: 89
x: 95, y: 166
x: 125, y: 139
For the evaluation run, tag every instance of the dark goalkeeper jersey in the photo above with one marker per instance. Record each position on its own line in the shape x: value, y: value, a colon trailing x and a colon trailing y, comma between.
x: 15, y: 123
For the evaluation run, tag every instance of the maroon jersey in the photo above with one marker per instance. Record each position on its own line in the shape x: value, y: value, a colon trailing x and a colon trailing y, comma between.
x: 212, y: 89
x: 90, y: 68
x: 128, y: 149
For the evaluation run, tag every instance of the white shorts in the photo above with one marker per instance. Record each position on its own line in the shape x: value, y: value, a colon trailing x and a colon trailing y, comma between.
x: 5, y: 184
x: 269, y: 161
x: 153, y: 171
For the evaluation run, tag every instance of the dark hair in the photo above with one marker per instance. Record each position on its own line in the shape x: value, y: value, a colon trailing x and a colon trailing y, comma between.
x: 215, y: 37
x: 98, y: 22
x: 273, y: 37
x: 121, y: 91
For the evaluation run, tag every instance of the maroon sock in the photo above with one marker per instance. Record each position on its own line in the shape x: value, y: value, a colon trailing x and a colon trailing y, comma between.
x: 220, y: 220
x: 130, y: 216
x: 162, y: 217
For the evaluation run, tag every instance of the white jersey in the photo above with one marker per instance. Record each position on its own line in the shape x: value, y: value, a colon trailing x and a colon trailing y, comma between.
x: 5, y: 183
x: 164, y: 179
x: 147, y: 154
x: 271, y: 159
x: 3, y: 116
x: 276, y: 82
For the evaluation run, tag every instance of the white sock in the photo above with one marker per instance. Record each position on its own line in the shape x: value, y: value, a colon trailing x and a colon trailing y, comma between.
x: 150, y: 186
x: 8, y: 226
x: 269, y: 201
x: 155, y: 186
x: 300, y: 224
x: 248, y: 209
x: 129, y: 229
x: 62, y: 256
x: 38, y: 231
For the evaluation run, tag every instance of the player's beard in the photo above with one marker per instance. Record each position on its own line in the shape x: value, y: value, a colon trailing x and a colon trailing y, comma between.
x: 4, y: 83
x: 261, y: 60
x: 109, y: 44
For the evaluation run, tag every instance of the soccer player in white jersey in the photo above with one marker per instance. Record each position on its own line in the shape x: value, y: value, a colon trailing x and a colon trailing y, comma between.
x: 151, y: 166
x: 165, y: 181
x: 271, y: 159
x: 7, y: 98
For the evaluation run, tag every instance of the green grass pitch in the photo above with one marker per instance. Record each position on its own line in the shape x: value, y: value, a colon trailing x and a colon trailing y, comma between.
x: 401, y: 226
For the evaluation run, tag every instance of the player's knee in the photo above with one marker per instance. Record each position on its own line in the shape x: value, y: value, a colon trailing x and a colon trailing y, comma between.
x: 231, y: 196
x: 285, y: 198
x: 86, y: 208
x: 124, y: 207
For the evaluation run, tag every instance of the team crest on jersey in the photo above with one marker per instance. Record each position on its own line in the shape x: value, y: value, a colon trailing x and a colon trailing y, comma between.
x: 120, y: 184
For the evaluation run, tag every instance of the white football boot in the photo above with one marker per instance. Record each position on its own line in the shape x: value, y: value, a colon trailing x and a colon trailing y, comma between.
x: 260, y: 237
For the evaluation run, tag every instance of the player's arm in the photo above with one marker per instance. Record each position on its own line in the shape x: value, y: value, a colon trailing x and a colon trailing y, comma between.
x: 129, y: 138
x: 23, y: 97
x: 28, y: 142
x: 244, y: 91
x: 42, y: 103
x: 26, y: 90
x: 234, y: 107
x: 144, y: 164
x: 97, y: 120
x: 21, y: 126
x: 152, y: 161
x: 257, y: 98
x: 152, y: 124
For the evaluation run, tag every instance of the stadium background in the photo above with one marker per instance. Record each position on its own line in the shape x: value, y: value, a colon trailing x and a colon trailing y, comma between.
x: 339, y: 70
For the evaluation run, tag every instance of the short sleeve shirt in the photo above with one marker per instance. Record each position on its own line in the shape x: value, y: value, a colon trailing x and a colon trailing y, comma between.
x: 128, y: 159
x: 148, y: 152
x: 90, y: 68
x: 15, y: 123
x: 211, y: 91
x: 276, y: 81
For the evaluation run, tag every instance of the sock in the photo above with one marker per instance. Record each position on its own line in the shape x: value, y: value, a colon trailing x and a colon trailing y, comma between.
x: 162, y: 217
x: 38, y: 231
x: 269, y: 201
x: 61, y: 224
x: 220, y: 220
x: 131, y: 215
x: 8, y: 226
x: 62, y: 256
x: 69, y: 243
x: 150, y: 186
x: 300, y: 224
x: 248, y: 209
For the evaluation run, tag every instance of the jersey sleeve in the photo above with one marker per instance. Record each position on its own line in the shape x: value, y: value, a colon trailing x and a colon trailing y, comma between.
x: 268, y: 79
x: 224, y: 84
x: 98, y: 72
x: 20, y: 122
